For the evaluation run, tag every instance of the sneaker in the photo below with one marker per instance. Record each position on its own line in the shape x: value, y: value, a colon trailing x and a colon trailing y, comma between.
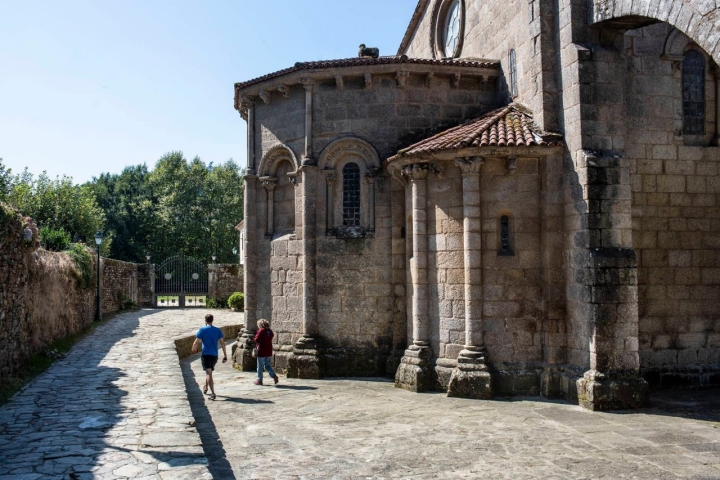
x: 276, y: 379
x: 212, y: 396
x: 258, y: 382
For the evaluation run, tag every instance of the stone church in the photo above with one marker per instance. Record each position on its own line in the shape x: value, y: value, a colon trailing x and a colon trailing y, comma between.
x: 524, y: 200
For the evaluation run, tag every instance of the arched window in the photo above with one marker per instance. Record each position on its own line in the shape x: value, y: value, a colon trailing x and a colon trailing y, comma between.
x: 351, y: 194
x: 513, y: 73
x: 505, y: 241
x: 693, y: 88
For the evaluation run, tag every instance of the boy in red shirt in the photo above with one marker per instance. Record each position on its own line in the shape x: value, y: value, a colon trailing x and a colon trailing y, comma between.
x: 263, y: 343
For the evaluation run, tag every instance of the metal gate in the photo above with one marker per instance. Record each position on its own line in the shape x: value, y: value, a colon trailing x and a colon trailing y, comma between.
x: 181, y: 281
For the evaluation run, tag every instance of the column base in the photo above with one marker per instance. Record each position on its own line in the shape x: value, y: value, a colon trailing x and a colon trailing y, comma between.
x: 614, y: 391
x: 415, y: 371
x: 242, y: 357
x: 471, y: 378
x: 305, y: 360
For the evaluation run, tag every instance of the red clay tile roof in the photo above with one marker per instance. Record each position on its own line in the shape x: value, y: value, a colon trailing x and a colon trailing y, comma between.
x: 358, y: 61
x: 504, y: 127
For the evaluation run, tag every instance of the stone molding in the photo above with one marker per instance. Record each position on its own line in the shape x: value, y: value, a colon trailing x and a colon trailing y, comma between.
x: 274, y: 156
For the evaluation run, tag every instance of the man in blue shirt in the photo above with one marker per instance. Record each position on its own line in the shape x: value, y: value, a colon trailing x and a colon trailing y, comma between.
x: 209, y: 337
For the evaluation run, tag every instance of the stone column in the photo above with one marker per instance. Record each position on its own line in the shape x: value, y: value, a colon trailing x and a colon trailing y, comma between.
x: 249, y: 104
x: 415, y: 370
x: 309, y: 85
x: 605, y: 302
x: 717, y: 105
x: 305, y: 360
x: 270, y: 183
x: 330, y: 179
x: 242, y: 358
x: 471, y: 377
x: 370, y: 179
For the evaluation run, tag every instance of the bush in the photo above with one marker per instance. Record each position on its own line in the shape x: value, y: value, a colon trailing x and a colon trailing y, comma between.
x: 54, y: 240
x: 237, y: 301
x: 83, y: 262
x: 217, y: 302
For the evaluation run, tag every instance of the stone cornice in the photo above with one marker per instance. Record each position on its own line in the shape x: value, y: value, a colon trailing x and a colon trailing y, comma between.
x: 482, y: 70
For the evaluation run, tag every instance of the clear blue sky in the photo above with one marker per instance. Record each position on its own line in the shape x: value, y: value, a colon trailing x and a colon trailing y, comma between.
x: 88, y: 87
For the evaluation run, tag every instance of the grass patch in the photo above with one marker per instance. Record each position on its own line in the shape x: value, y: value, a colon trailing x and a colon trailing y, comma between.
x: 38, y: 363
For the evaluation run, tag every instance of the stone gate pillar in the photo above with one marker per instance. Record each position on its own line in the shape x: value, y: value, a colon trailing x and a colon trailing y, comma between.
x: 471, y: 377
x: 242, y: 358
x: 415, y: 370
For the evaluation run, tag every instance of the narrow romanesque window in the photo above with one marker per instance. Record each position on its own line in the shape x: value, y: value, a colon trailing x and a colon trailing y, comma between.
x: 513, y: 73
x: 505, y: 247
x: 693, y: 87
x: 351, y: 194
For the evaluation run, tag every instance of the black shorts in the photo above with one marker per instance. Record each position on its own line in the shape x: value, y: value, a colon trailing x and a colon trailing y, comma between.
x: 208, y: 361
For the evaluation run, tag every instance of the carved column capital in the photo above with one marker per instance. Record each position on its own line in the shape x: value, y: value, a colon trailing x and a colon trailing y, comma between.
x: 418, y: 171
x: 469, y: 165
x: 308, y: 83
x: 292, y: 177
x: 330, y: 176
x: 269, y: 183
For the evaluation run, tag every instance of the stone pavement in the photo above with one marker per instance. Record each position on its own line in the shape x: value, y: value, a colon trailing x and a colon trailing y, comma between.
x: 367, y: 428
x: 115, y: 407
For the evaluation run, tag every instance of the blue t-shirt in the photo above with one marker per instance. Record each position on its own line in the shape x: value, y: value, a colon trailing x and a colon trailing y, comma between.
x: 210, y: 336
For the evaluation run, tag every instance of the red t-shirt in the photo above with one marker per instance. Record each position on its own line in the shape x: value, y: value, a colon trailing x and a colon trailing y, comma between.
x: 263, y: 338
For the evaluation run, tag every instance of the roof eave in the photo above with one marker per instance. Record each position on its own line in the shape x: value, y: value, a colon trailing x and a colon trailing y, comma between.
x: 394, y: 163
x: 302, y: 75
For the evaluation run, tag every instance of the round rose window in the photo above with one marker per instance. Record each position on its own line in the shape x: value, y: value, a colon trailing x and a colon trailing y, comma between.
x: 452, y: 29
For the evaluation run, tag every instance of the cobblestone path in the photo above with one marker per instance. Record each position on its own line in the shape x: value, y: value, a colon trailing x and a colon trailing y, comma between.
x: 115, y: 407
x: 342, y: 428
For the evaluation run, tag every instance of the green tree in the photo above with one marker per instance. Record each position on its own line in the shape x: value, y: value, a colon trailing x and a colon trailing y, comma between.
x: 5, y: 181
x: 57, y: 205
x: 178, y: 207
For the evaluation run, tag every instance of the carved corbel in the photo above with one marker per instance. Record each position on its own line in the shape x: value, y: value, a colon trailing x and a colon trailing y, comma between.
x: 428, y: 79
x: 292, y: 177
x: 265, y: 96
x: 401, y: 78
x: 455, y: 80
x: 469, y: 165
x: 339, y: 82
x: 511, y: 164
x: 285, y: 90
x: 368, y: 80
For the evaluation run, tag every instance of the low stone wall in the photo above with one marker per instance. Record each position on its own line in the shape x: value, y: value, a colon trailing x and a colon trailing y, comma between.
x: 225, y: 279
x: 42, y: 298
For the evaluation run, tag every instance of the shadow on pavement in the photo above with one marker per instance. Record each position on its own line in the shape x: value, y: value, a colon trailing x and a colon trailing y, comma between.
x: 247, y: 401
x: 218, y: 464
x: 295, y: 387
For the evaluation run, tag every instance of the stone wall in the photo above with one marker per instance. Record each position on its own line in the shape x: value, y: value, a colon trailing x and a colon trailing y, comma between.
x: 224, y: 279
x: 491, y: 30
x: 676, y: 221
x: 42, y: 298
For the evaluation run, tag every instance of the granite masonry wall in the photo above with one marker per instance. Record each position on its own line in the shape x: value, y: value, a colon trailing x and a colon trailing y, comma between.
x: 675, y: 215
x: 41, y: 294
x: 224, y: 279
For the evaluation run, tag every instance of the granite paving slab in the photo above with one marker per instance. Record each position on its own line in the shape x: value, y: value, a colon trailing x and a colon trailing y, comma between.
x: 115, y: 407
x: 367, y: 428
